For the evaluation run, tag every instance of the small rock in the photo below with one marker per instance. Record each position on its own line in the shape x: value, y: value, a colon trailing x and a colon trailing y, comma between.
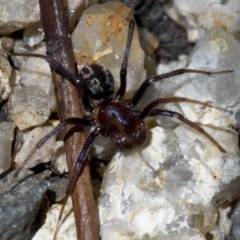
x: 67, y: 229
x: 235, y: 218
x: 57, y: 189
x: 5, y: 71
x: 59, y: 157
x: 33, y: 35
x: 31, y: 138
x: 7, y: 43
x: 30, y: 106
x: 203, y: 15
x: 19, y: 204
x: 6, y: 138
x: 23, y: 14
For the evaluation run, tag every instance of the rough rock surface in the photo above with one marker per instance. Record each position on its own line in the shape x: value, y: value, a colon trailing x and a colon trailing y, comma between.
x: 6, y: 138
x: 17, y: 14
x: 203, y: 15
x: 19, y: 204
x: 30, y: 106
x: 5, y: 71
x: 31, y: 138
x: 171, y: 187
x: 101, y: 37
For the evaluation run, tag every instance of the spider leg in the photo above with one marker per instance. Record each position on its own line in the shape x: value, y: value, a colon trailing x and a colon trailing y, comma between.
x: 68, y: 121
x: 167, y: 113
x: 138, y: 95
x: 148, y: 109
x: 123, y: 71
x: 85, y: 102
x: 77, y: 171
x: 57, y: 66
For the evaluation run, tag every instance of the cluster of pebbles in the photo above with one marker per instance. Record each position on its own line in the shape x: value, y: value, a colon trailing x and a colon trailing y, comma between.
x: 176, y: 186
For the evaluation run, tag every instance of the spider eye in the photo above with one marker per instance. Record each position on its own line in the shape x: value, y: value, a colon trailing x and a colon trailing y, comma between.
x: 86, y: 73
x: 124, y: 143
x: 86, y: 70
x: 116, y: 136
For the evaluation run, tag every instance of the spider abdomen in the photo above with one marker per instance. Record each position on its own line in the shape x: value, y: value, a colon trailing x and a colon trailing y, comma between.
x: 118, y: 122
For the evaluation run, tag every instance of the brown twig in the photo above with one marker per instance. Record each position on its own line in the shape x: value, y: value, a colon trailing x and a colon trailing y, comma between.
x: 59, y: 46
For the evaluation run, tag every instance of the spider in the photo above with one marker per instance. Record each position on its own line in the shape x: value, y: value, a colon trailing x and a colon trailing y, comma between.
x: 109, y: 115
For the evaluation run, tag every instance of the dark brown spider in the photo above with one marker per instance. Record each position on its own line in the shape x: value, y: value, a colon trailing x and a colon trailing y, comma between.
x: 109, y: 115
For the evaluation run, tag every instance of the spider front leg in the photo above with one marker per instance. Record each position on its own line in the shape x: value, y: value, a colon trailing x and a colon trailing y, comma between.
x: 63, y: 124
x: 140, y: 92
x: 148, y: 109
x: 77, y: 171
x: 123, y: 71
x: 57, y: 66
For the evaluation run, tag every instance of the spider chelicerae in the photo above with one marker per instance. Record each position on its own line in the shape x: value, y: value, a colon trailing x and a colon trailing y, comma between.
x: 109, y: 115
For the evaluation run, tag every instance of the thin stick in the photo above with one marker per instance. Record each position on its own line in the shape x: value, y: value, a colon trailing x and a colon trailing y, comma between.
x: 59, y: 47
